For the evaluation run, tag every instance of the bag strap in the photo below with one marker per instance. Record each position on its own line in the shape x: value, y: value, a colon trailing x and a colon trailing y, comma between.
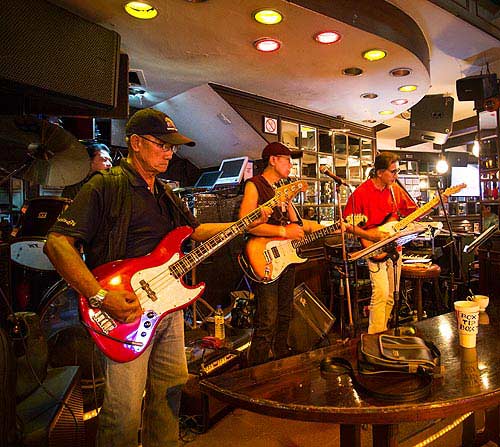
x: 340, y: 366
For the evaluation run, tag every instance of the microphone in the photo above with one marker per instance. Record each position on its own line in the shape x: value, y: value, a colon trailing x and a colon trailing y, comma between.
x: 340, y: 181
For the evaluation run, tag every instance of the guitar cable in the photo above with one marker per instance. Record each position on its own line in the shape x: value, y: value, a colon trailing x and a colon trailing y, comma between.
x: 118, y: 340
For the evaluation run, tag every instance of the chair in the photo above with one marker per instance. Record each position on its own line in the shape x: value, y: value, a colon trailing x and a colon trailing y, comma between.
x: 417, y: 274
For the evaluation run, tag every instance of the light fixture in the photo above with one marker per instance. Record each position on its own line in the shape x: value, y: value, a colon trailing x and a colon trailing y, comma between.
x: 442, y: 166
x: 407, y: 88
x: 267, y: 16
x: 399, y: 102
x: 369, y: 121
x: 476, y: 148
x: 374, y: 55
x: 369, y: 96
x: 386, y: 112
x: 352, y: 71
x: 141, y: 10
x: 267, y: 44
x: 400, y: 72
x: 327, y: 37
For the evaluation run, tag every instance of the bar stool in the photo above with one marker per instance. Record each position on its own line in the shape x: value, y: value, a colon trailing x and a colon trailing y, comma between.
x: 418, y: 274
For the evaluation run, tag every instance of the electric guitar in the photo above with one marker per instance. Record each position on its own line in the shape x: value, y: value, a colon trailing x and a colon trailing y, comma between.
x: 266, y: 258
x: 393, y: 226
x: 156, y: 279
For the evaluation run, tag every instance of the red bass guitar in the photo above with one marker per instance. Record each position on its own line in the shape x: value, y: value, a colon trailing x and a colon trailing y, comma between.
x: 156, y: 279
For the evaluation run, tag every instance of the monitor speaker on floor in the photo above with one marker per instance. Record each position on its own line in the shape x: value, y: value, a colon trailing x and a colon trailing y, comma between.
x: 311, y: 321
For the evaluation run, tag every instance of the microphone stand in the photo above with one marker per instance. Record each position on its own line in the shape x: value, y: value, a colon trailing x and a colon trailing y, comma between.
x: 453, y: 250
x: 350, y: 331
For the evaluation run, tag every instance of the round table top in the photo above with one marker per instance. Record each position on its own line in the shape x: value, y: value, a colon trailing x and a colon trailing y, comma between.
x: 295, y: 388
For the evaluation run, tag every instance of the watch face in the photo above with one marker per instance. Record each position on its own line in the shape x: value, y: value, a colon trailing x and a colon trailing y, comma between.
x: 95, y: 302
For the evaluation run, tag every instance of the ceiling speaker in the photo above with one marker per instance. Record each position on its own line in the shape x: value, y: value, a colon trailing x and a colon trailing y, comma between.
x: 432, y: 119
x: 477, y: 87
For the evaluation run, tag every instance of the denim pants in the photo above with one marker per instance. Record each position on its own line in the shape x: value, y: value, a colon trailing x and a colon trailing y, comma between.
x: 382, y: 299
x: 161, y: 371
x: 272, y: 318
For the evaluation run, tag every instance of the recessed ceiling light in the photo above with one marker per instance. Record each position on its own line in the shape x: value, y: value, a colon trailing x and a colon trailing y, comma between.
x: 267, y: 16
x: 327, y: 37
x: 352, y: 71
x: 141, y: 10
x: 374, y: 55
x: 399, y: 102
x: 369, y: 96
x: 407, y: 88
x: 386, y: 112
x: 267, y: 44
x: 400, y: 72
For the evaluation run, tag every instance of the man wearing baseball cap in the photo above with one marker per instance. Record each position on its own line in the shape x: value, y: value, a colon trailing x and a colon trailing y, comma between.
x: 121, y: 213
x: 274, y: 300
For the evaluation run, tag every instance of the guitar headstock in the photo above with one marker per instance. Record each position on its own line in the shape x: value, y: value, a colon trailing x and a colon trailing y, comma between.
x: 356, y: 219
x: 287, y: 192
x: 454, y: 189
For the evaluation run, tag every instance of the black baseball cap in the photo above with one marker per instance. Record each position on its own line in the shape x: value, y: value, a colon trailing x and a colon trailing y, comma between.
x: 157, y: 124
x: 277, y: 148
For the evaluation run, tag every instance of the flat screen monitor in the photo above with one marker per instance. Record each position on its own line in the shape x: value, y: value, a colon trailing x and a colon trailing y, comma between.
x: 232, y: 171
x: 207, y: 180
x: 468, y: 175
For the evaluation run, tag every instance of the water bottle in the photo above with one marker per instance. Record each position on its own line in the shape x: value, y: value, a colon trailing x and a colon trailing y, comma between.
x: 220, y: 330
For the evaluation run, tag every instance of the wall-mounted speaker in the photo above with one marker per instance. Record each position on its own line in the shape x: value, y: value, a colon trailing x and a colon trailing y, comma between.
x: 477, y: 87
x: 432, y: 119
x: 50, y: 52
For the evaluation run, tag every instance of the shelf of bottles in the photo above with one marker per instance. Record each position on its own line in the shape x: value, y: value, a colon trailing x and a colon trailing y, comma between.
x: 489, y: 169
x: 349, y: 157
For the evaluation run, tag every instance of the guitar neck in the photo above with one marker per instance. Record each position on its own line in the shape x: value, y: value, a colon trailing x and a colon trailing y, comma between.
x: 311, y: 237
x: 207, y: 248
x: 403, y: 223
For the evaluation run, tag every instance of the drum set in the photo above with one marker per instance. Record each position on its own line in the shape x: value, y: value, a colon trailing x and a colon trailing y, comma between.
x: 56, y: 159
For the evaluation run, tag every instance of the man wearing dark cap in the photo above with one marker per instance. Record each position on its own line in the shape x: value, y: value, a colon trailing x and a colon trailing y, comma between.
x: 99, y: 159
x: 274, y: 300
x: 124, y: 212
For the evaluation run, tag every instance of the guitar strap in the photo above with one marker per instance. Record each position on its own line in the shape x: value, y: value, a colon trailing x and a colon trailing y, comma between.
x: 395, y: 203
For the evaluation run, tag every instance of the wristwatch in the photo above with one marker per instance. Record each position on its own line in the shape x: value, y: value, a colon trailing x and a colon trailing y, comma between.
x: 97, y: 299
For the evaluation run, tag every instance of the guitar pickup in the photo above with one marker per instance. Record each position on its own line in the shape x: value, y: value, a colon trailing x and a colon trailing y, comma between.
x: 276, y: 252
x: 149, y: 292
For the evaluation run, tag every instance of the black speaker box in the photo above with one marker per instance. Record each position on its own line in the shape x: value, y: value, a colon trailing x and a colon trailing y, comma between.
x: 60, y: 54
x: 311, y: 321
x: 477, y: 87
x: 432, y: 119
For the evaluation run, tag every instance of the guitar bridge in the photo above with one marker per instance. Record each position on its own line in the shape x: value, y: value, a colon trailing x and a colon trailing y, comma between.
x: 104, y: 321
x: 149, y: 292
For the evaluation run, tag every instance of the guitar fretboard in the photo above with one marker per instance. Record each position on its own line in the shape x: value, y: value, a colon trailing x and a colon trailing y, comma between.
x: 311, y: 237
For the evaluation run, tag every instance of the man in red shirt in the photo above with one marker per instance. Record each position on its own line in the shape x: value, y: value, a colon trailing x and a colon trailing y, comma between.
x: 380, y: 199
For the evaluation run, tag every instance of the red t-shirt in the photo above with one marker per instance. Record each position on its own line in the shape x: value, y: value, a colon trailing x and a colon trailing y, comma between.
x: 378, y: 204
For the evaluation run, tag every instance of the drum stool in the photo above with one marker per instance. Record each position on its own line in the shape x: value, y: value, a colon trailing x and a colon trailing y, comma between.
x: 418, y: 274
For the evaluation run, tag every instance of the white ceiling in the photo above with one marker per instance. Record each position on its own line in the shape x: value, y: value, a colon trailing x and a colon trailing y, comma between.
x: 190, y: 44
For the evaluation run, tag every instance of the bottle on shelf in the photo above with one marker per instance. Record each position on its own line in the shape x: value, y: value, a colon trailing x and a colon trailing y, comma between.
x: 220, y: 329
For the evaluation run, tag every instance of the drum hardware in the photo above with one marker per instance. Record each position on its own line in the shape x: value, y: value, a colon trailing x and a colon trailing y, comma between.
x: 53, y: 156
x: 69, y: 342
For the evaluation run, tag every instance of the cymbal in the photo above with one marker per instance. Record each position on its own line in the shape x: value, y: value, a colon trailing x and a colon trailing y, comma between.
x: 54, y: 156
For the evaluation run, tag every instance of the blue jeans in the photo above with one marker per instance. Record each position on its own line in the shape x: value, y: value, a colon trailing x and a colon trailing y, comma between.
x: 272, y: 318
x: 161, y: 370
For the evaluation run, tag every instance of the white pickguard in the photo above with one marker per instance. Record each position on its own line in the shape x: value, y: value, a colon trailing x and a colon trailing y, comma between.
x: 286, y: 255
x: 169, y: 291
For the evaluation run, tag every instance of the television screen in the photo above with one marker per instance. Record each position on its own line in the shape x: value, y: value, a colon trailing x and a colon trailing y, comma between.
x: 232, y: 171
x: 468, y: 175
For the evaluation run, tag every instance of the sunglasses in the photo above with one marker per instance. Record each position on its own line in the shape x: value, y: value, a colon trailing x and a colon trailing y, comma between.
x: 395, y: 171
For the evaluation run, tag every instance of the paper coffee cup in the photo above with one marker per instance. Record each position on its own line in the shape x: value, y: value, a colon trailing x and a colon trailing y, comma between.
x: 467, y: 313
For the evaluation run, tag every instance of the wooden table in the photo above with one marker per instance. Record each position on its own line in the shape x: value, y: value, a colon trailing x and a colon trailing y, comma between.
x: 295, y: 388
